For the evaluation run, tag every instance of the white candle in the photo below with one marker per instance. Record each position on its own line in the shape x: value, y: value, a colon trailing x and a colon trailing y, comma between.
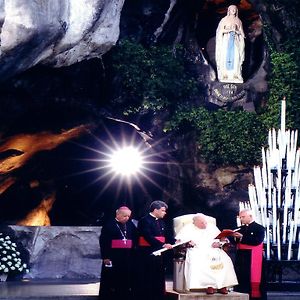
x: 293, y: 148
x: 270, y: 140
x: 278, y: 241
x: 296, y: 214
x: 281, y: 143
x: 285, y: 214
x: 287, y: 151
x: 274, y: 220
x: 290, y: 240
x: 268, y: 239
x: 283, y: 105
x: 296, y: 172
x: 298, y: 256
x: 264, y: 168
x: 273, y: 143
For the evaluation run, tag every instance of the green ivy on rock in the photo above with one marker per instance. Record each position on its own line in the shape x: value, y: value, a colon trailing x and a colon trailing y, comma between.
x: 151, y: 78
x: 155, y: 79
x: 224, y: 137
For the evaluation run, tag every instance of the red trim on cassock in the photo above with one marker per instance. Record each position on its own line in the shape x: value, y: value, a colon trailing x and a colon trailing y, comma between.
x: 143, y: 242
x: 256, y: 267
x: 121, y: 244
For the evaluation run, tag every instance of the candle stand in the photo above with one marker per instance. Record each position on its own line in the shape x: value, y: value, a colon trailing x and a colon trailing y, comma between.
x: 275, y: 201
x: 283, y: 275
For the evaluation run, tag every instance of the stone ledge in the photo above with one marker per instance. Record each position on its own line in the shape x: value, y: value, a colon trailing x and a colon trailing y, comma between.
x: 203, y: 296
x: 171, y: 294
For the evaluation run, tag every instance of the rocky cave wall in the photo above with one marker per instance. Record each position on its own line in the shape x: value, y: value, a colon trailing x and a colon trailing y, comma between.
x: 54, y: 92
x: 78, y: 248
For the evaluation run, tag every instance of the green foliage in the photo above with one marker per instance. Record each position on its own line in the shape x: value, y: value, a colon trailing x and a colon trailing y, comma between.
x: 155, y: 78
x: 283, y: 83
x: 224, y: 138
x: 285, y: 63
x: 151, y: 78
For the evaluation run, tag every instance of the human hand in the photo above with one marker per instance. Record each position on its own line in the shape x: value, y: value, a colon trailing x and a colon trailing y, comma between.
x: 237, y: 235
x: 192, y: 243
x: 216, y: 245
x: 224, y: 240
x: 168, y: 246
x: 107, y: 262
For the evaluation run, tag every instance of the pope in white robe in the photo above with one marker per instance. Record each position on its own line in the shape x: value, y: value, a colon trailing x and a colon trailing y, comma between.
x: 207, y: 265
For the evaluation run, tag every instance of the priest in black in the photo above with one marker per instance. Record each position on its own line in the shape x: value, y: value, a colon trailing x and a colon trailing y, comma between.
x: 118, y: 241
x: 249, y: 256
x: 152, y: 237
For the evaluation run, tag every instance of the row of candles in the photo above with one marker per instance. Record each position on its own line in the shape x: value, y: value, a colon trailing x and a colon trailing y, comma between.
x: 275, y: 195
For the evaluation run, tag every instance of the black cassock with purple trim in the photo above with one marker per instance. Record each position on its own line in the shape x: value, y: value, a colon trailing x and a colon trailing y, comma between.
x: 118, y: 244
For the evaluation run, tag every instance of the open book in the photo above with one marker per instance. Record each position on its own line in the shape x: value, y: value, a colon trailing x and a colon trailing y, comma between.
x: 226, y: 232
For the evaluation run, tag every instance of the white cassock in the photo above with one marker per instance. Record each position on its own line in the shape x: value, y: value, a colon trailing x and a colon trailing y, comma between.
x: 206, y: 266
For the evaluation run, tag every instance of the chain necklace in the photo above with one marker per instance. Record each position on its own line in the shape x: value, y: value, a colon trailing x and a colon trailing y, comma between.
x: 124, y: 238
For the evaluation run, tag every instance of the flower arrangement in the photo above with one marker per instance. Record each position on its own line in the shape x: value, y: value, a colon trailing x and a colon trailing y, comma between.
x: 10, y: 258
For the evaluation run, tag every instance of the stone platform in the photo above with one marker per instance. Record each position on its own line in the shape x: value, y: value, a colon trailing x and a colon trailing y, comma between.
x: 201, y: 295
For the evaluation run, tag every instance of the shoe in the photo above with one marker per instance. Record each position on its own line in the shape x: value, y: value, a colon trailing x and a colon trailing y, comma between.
x: 210, y: 291
x: 223, y: 291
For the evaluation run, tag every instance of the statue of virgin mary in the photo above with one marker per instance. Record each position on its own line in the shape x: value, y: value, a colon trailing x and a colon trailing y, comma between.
x: 230, y: 47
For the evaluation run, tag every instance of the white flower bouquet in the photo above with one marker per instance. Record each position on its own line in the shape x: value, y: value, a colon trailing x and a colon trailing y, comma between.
x: 10, y: 258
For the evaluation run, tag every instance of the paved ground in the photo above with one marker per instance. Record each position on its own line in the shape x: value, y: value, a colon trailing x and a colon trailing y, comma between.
x: 50, y: 289
x: 74, y: 290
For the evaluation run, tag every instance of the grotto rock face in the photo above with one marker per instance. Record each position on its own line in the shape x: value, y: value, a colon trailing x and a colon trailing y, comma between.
x: 57, y: 33
x: 61, y: 252
x: 66, y: 101
x: 213, y: 190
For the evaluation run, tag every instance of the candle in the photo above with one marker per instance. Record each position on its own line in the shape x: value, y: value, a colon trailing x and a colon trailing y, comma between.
x: 281, y: 143
x: 283, y: 105
x: 298, y: 256
x: 278, y: 241
x: 274, y: 144
x: 296, y: 172
x: 289, y: 149
x: 270, y: 140
x: 264, y: 168
x: 285, y: 215
x: 296, y: 214
x: 268, y: 239
x: 289, y: 255
x: 293, y: 150
x: 274, y: 221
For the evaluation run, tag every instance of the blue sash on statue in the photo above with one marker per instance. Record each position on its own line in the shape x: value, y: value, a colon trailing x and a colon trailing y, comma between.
x: 230, y: 52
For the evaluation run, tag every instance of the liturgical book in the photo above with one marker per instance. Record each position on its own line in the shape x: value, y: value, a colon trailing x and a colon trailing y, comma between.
x: 226, y: 232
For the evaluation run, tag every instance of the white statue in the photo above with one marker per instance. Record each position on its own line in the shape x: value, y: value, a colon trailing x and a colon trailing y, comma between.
x: 230, y: 47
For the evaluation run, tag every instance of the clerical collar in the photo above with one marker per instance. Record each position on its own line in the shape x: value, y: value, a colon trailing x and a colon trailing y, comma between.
x: 248, y: 224
x: 153, y: 216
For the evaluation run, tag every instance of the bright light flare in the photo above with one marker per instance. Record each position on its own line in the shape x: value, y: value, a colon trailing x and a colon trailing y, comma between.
x: 126, y: 161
